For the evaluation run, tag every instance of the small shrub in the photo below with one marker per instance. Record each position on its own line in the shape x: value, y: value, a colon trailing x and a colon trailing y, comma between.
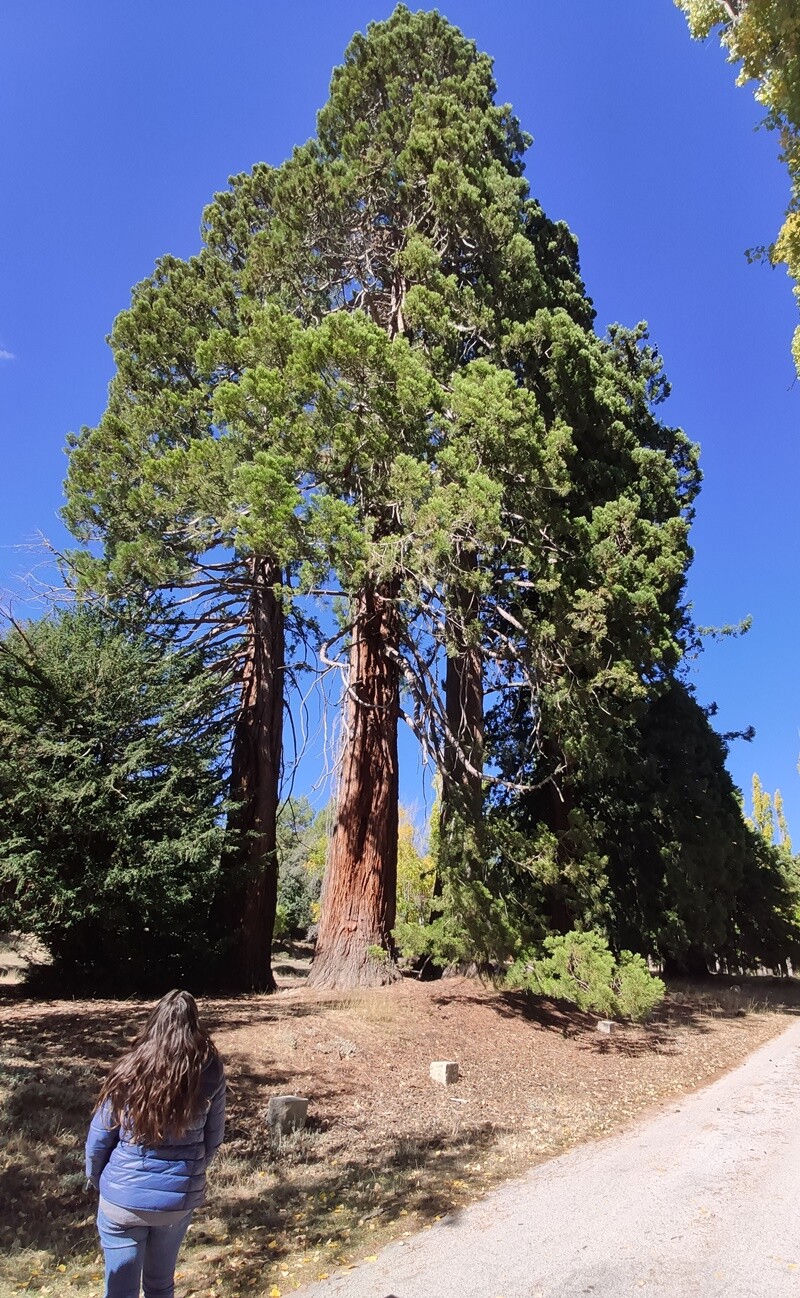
x: 467, y: 926
x: 379, y: 954
x: 298, y: 891
x: 637, y: 990
x: 579, y: 967
x: 281, y: 929
x: 442, y: 940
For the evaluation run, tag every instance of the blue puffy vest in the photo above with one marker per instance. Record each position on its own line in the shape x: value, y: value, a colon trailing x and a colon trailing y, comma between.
x: 169, y: 1178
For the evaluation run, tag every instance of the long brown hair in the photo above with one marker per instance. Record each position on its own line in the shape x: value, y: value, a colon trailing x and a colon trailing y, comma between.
x: 154, y: 1090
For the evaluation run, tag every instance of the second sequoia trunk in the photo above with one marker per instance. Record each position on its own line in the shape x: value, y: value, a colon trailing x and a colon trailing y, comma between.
x: 461, y: 820
x: 249, y: 904
x: 354, y: 943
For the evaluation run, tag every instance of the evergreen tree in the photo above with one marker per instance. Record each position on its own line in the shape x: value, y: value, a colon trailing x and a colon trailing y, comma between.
x: 302, y: 847
x: 183, y: 506
x: 537, y: 450
x: 654, y: 851
x: 110, y: 799
x: 380, y: 379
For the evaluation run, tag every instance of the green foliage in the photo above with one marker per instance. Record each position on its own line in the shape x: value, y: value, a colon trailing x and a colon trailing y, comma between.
x: 381, y: 373
x: 784, y: 838
x: 652, y: 848
x: 110, y: 799
x: 302, y: 844
x: 768, y: 816
x: 579, y: 967
x: 763, y: 818
x: 468, y: 925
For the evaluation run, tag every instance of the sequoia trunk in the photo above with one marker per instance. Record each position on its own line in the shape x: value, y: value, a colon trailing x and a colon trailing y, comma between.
x: 354, y: 943
x: 462, y: 785
x: 250, y: 902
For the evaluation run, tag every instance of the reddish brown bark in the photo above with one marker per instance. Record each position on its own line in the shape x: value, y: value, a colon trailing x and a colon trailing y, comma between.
x: 250, y: 901
x: 357, y: 914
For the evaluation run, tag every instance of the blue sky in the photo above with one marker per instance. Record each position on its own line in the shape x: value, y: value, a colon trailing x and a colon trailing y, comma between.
x: 121, y: 120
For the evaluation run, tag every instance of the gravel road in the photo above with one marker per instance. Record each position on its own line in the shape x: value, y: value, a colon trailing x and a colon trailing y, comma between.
x: 701, y: 1199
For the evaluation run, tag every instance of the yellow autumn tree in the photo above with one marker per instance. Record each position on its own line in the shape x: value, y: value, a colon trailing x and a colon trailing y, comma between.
x: 762, y: 37
x: 415, y: 874
x: 769, y: 816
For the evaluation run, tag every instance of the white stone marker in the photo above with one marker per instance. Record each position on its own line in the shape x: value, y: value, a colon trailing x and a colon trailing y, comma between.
x: 607, y: 1025
x: 444, y: 1071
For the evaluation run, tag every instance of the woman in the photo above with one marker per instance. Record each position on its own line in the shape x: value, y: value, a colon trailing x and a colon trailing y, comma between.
x: 157, y: 1124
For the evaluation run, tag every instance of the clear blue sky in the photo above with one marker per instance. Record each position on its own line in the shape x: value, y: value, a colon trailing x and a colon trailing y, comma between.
x: 120, y: 120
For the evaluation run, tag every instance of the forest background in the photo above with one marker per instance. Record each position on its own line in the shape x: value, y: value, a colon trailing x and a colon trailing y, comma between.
x: 724, y: 349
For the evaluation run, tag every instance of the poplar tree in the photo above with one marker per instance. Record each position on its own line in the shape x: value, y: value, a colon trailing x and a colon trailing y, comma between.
x: 763, y: 819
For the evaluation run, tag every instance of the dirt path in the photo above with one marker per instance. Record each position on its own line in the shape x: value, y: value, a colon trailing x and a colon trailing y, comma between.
x: 700, y: 1200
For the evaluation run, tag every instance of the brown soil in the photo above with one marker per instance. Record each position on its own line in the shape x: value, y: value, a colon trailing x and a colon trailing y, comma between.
x: 386, y: 1150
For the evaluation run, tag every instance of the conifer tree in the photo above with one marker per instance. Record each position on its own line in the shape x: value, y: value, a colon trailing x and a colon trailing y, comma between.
x: 654, y: 850
x: 111, y: 788
x: 533, y: 446
x: 380, y: 378
x: 183, y: 507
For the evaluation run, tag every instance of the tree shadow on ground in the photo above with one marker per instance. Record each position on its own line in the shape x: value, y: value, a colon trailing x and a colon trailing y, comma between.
x: 325, y: 1207
x: 51, y: 1066
x: 688, y: 1007
x: 555, y: 1016
x: 269, y: 1199
x: 566, y: 1020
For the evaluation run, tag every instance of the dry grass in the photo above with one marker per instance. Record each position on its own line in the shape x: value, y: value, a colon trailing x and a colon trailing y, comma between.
x: 386, y: 1151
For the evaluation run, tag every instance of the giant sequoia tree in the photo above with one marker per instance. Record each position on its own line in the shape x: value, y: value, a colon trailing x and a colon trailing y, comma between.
x: 541, y: 523
x: 380, y: 380
x: 185, y: 507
